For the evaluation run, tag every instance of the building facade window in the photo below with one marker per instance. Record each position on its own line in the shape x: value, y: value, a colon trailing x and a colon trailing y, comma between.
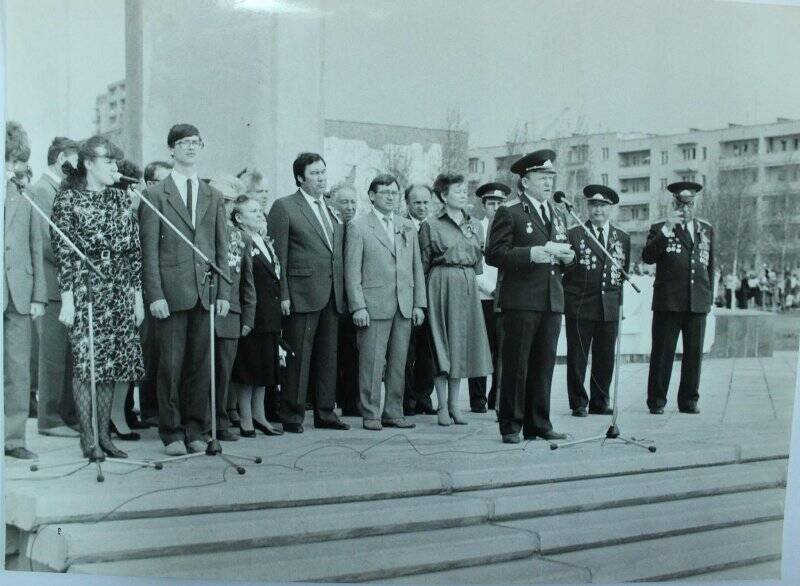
x: 664, y: 184
x: 664, y: 157
x: 604, y: 179
x: 689, y: 153
x: 605, y: 153
x: 705, y: 153
x: 473, y: 165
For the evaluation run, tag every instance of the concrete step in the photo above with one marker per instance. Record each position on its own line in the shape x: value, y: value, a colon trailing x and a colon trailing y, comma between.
x: 680, y: 556
x: 349, y: 560
x: 602, y: 493
x: 763, y: 571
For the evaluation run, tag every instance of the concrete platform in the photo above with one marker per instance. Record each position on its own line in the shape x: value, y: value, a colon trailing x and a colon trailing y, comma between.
x: 323, y: 499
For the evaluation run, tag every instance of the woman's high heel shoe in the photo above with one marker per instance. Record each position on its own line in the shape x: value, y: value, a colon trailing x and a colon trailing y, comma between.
x: 111, y: 450
x: 89, y: 452
x: 267, y: 429
x: 456, y: 417
x: 444, y: 417
x: 127, y: 437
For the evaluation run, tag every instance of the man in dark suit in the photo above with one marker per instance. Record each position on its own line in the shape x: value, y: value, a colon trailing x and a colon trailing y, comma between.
x: 593, y: 296
x: 308, y: 240
x: 177, y: 289
x: 682, y: 248
x: 528, y: 243
x: 24, y: 292
x: 419, y: 365
x: 56, y: 412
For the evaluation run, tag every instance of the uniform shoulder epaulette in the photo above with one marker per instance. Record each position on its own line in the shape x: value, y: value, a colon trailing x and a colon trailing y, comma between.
x: 706, y: 222
x: 513, y: 203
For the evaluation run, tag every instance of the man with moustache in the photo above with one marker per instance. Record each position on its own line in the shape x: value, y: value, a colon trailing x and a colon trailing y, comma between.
x: 528, y: 242
x: 177, y: 290
x: 682, y: 248
x: 56, y: 411
x: 419, y: 364
x: 593, y: 295
x: 309, y: 243
x: 386, y: 293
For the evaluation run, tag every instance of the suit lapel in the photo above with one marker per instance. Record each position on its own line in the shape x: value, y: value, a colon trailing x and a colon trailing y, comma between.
x: 597, y: 250
x: 684, y: 237
x: 260, y: 258
x: 534, y: 214
x: 203, y: 201
x: 312, y: 218
x: 174, y: 199
x: 380, y: 232
x: 11, y: 204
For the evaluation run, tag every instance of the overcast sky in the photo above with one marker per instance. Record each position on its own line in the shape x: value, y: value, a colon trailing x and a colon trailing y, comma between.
x: 585, y: 65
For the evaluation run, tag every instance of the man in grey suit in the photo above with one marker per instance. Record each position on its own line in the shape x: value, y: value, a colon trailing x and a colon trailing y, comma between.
x: 56, y: 414
x: 24, y: 292
x: 178, y: 291
x: 308, y: 240
x: 386, y: 292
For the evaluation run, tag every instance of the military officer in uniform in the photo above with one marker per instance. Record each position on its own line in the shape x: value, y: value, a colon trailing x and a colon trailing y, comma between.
x: 682, y: 248
x: 593, y: 296
x: 528, y: 243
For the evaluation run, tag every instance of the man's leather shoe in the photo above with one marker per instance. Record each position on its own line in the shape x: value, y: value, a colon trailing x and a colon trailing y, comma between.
x: 579, y: 412
x: 175, y: 448
x: 399, y: 423
x: 426, y: 410
x: 657, y: 411
x: 601, y: 411
x: 197, y: 446
x: 225, y: 435
x: 267, y: 429
x: 20, y: 453
x: 511, y: 438
x: 481, y: 409
x: 247, y: 433
x: 552, y: 435
x: 692, y: 409
x: 372, y: 425
x: 335, y: 424
x: 291, y: 428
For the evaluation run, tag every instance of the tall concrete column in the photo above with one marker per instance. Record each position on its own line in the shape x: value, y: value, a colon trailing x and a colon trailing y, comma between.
x: 249, y: 79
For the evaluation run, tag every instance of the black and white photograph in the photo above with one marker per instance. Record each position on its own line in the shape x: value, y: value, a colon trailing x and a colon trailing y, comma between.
x: 423, y: 292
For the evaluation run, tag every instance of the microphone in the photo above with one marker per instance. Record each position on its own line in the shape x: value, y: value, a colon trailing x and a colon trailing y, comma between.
x: 561, y: 197
x: 124, y: 180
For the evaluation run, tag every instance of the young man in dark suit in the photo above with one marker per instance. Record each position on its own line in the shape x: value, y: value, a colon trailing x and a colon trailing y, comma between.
x: 56, y: 413
x: 593, y: 295
x: 528, y: 243
x: 682, y: 248
x: 178, y: 291
x: 308, y: 240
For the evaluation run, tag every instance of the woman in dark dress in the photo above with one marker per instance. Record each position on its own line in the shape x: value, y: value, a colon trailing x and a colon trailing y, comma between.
x: 100, y: 221
x: 257, y: 362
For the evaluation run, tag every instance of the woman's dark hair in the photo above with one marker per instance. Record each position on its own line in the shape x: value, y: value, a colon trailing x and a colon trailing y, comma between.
x: 443, y: 183
x: 17, y: 146
x: 302, y: 161
x: 75, y: 177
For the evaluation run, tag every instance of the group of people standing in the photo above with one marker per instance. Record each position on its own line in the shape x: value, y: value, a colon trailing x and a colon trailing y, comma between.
x: 330, y: 307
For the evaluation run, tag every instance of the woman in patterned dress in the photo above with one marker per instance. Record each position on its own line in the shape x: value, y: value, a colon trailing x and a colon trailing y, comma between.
x: 100, y: 221
x: 451, y: 246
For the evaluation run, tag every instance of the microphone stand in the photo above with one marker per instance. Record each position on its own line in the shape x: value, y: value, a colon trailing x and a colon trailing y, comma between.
x: 213, y: 448
x: 613, y: 430
x: 97, y: 456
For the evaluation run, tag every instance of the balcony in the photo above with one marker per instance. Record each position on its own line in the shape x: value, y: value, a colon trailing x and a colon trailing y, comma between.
x: 640, y: 198
x: 633, y: 226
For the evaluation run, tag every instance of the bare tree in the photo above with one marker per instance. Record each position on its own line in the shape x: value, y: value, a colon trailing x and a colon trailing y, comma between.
x: 777, y: 220
x: 455, y: 145
x: 397, y: 160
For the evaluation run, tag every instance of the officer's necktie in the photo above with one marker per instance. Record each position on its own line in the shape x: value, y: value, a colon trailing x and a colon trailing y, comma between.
x: 189, y: 200
x: 387, y: 224
x: 687, y: 228
x: 325, y: 223
x: 545, y: 218
x: 600, y: 237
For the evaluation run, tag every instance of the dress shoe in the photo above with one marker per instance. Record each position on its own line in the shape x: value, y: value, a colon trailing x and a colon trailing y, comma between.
x: 552, y: 435
x: 21, y: 453
x: 59, y: 431
x: 267, y: 429
x: 455, y: 415
x: 478, y: 409
x: 601, y: 411
x: 176, y: 448
x: 692, y: 409
x: 657, y: 411
x: 372, y: 425
x: 579, y: 412
x: 226, y: 435
x: 247, y: 432
x: 111, y: 450
x: 399, y: 423
x: 292, y: 427
x: 444, y: 417
x: 511, y: 438
x: 128, y: 437
x: 197, y: 446
x: 425, y: 410
x: 335, y: 424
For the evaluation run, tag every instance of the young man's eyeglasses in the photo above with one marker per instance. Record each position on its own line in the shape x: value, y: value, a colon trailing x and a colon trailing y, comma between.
x: 190, y: 143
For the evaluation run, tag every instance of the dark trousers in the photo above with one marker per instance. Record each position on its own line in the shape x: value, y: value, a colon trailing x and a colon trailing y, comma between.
x: 666, y: 327
x: 584, y: 335
x: 477, y: 385
x: 16, y: 374
x: 184, y: 375
x: 148, y: 395
x: 419, y: 370
x: 347, y: 395
x: 527, y: 370
x: 225, y: 354
x: 313, y: 337
x: 56, y: 404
